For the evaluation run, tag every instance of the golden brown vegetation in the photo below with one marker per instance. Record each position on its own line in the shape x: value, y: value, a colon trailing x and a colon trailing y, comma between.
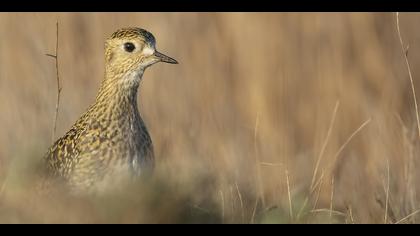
x: 269, y: 117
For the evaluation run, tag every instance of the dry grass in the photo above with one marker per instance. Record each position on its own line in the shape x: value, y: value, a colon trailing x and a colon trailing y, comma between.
x: 247, y: 128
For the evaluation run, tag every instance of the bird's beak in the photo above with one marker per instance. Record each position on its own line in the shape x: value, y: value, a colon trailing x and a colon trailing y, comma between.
x: 163, y: 58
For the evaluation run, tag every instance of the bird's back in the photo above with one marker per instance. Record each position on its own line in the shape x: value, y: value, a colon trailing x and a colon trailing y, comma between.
x: 98, y: 150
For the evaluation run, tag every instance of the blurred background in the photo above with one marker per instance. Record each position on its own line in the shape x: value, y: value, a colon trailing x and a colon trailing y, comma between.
x: 268, y: 118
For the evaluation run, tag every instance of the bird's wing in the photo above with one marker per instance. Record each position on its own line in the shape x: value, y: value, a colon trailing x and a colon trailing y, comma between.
x: 61, y: 156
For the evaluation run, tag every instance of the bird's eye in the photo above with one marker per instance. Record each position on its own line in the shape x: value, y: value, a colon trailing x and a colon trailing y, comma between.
x: 129, y: 47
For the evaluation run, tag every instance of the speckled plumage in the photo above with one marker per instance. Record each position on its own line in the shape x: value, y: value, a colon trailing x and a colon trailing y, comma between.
x: 110, y: 140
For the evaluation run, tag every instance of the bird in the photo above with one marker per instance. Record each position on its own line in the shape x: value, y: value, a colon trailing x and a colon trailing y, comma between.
x: 110, y: 141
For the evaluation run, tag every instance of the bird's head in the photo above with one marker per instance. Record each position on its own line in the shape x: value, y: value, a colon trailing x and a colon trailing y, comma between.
x: 131, y: 51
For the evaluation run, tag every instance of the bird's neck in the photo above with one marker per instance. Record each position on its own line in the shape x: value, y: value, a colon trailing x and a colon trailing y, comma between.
x: 118, y: 93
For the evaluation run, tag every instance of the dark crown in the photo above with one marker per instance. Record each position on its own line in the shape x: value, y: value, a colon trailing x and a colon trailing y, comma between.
x: 134, y: 32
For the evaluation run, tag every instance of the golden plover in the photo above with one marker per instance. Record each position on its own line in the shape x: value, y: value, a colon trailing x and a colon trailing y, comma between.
x: 110, y: 139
